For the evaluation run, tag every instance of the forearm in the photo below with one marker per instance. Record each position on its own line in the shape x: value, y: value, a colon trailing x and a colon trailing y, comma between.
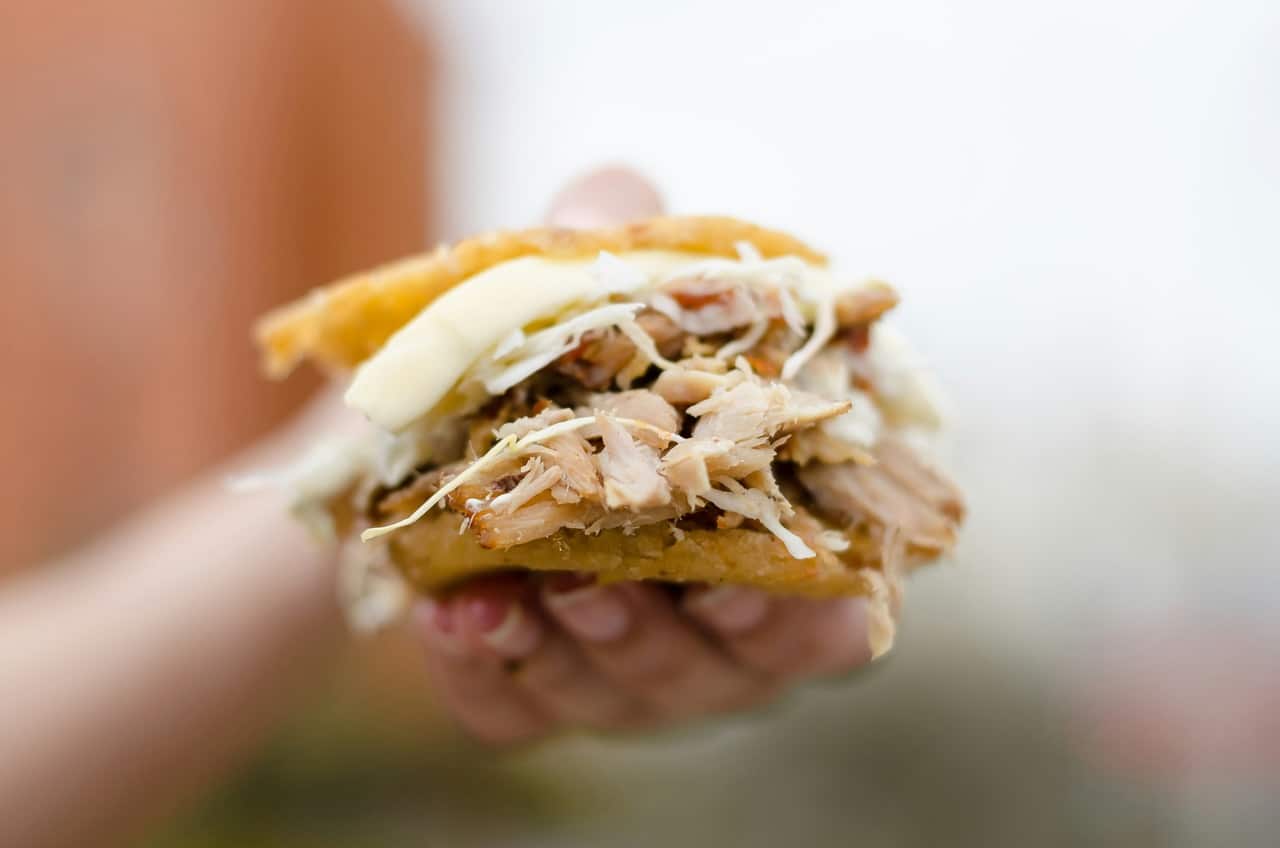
x: 141, y: 667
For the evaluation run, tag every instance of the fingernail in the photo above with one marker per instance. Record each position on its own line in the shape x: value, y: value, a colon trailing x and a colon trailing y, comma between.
x: 436, y: 622
x: 731, y: 609
x: 591, y: 612
x: 504, y: 626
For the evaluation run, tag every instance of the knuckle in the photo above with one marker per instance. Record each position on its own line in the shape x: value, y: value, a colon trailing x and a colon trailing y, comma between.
x: 548, y: 669
x: 775, y: 657
x: 698, y: 688
x: 650, y: 665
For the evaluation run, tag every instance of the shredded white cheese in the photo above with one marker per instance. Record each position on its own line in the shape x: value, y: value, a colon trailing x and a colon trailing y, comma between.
x: 829, y: 375
x: 747, y: 251
x: 834, y: 541
x: 514, y: 339
x: 790, y: 311
x: 906, y: 390
x: 783, y: 271
x: 525, y: 368
x: 616, y: 276
x: 666, y: 305
x: 441, y: 360
x: 532, y: 354
x: 644, y: 343
x: 753, y: 503
x: 746, y: 341
x: 824, y: 327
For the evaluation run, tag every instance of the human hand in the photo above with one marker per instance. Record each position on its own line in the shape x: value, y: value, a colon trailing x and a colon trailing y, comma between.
x: 516, y: 657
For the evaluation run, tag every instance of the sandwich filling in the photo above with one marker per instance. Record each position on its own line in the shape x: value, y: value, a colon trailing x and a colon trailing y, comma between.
x: 547, y: 397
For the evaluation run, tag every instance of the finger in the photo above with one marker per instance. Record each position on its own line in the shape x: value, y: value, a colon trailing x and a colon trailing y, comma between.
x: 474, y: 687
x: 784, y: 638
x: 496, y: 617
x: 500, y: 617
x: 604, y: 197
x: 570, y: 689
x: 632, y: 633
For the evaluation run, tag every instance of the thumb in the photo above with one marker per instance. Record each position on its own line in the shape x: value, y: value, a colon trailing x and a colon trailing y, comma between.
x: 604, y: 197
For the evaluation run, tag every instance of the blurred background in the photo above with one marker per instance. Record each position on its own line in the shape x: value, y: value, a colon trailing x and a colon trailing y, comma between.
x: 1080, y: 203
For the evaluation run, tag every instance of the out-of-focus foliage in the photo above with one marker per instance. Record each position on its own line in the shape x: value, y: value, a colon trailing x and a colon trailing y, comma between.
x: 953, y: 740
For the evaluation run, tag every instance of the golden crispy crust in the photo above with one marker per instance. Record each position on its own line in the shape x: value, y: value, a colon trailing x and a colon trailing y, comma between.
x: 433, y: 555
x: 340, y: 326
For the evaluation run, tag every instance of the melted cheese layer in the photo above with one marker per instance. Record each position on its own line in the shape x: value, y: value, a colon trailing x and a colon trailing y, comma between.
x: 422, y: 362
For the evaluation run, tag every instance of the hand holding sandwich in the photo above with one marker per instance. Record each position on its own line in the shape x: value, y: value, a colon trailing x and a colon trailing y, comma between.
x: 517, y: 657
x: 143, y: 667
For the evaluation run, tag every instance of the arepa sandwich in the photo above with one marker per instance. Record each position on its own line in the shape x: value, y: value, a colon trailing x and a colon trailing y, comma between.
x: 682, y: 399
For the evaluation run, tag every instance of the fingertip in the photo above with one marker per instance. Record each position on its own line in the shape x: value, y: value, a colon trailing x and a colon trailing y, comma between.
x: 592, y: 612
x: 488, y: 615
x: 483, y: 613
x: 603, y: 197
x: 436, y: 622
x: 502, y: 624
x: 853, y: 636
x: 730, y: 610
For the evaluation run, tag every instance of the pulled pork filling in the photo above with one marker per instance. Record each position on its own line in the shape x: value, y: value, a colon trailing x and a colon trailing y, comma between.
x: 708, y: 401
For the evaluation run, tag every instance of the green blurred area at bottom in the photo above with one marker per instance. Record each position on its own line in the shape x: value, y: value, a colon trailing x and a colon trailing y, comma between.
x: 949, y: 743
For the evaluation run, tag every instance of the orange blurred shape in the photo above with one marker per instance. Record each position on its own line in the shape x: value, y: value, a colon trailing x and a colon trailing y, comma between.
x: 167, y: 172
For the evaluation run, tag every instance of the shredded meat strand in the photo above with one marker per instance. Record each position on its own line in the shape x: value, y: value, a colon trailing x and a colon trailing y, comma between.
x: 683, y: 386
x: 901, y: 463
x: 604, y: 354
x: 572, y: 454
x: 536, y: 480
x: 630, y: 470
x: 897, y: 492
x: 535, y: 520
x: 705, y: 306
x: 640, y: 404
